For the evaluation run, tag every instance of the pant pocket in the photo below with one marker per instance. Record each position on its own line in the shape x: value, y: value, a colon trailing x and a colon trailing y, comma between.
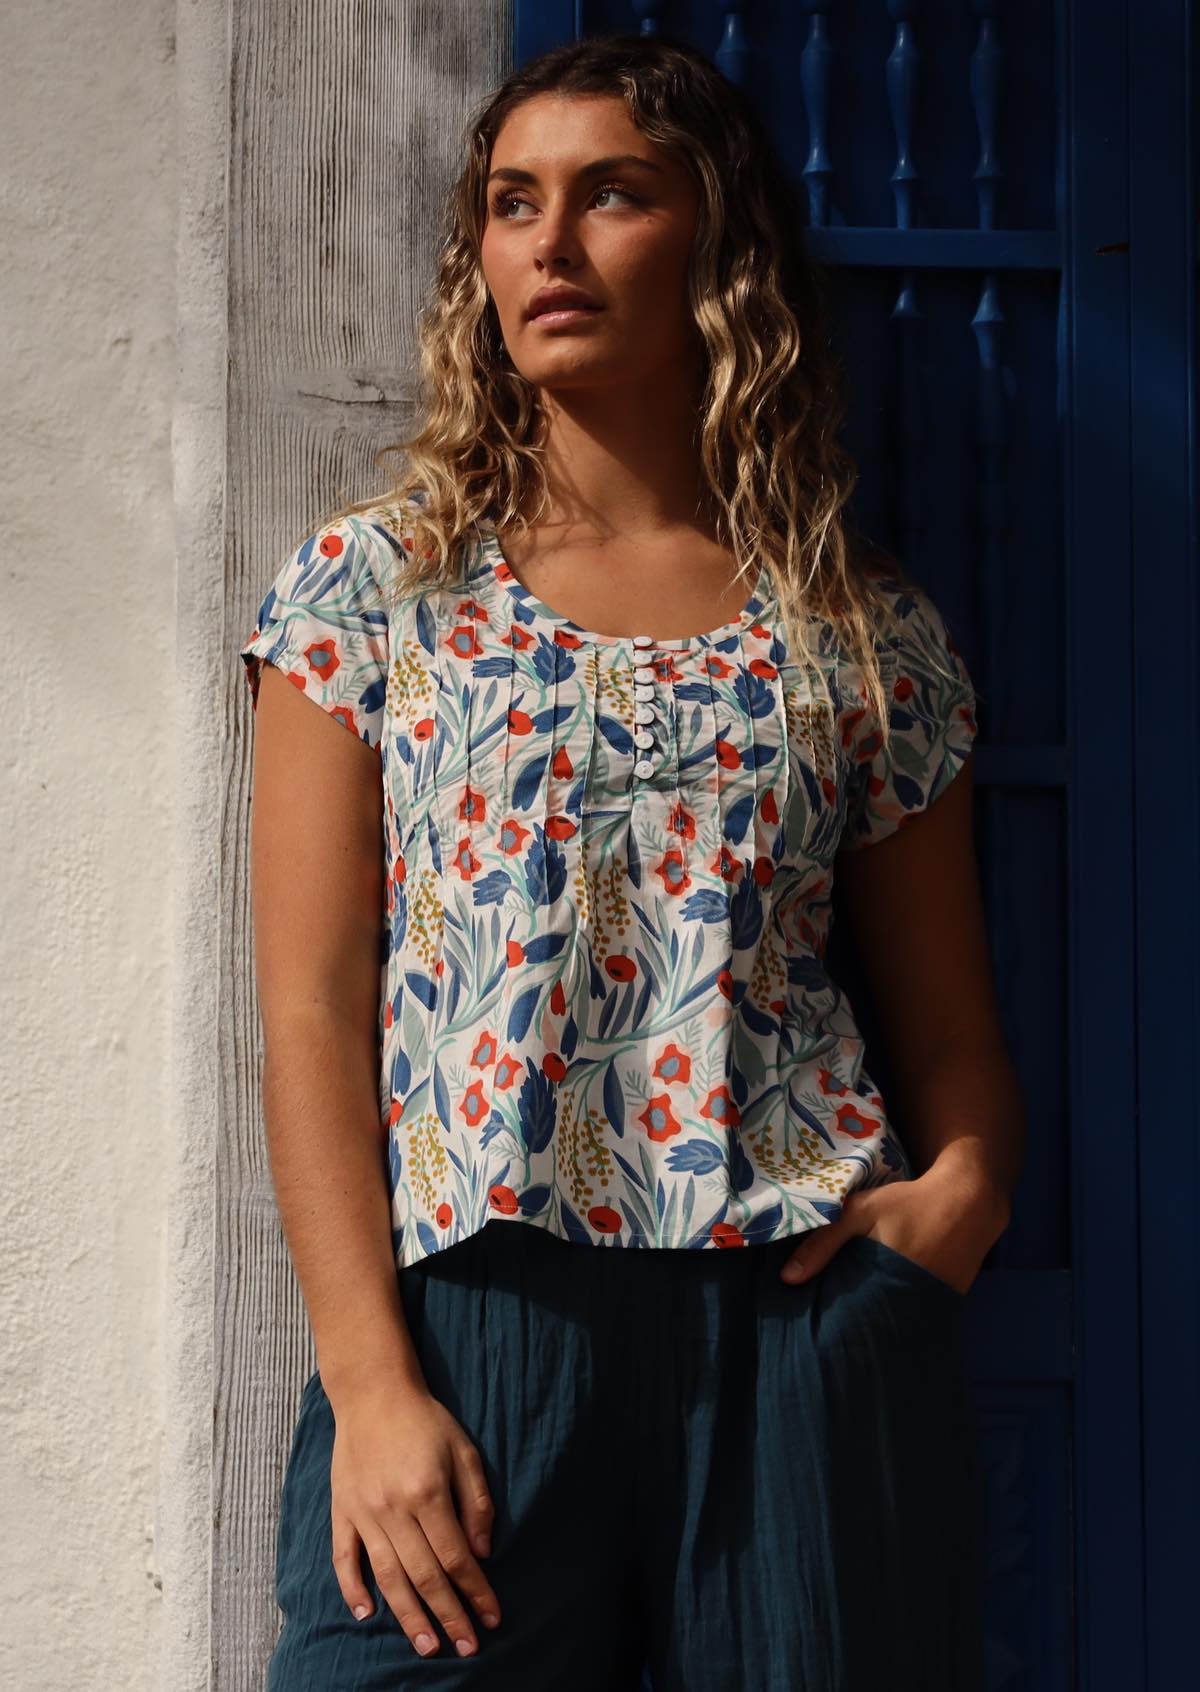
x: 909, y: 1268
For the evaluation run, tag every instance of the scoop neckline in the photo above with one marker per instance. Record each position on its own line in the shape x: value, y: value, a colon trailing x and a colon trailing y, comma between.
x: 506, y: 580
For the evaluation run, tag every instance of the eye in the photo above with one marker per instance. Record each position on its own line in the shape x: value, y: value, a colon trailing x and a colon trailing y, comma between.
x: 502, y: 201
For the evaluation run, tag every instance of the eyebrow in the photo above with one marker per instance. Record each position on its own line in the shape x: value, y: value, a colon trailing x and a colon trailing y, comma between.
x: 510, y: 173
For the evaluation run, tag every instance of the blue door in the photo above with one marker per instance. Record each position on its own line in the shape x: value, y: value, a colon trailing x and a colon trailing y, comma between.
x: 1007, y: 195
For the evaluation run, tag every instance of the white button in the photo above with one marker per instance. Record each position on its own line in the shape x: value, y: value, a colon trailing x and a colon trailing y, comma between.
x: 643, y: 693
x: 643, y: 767
x: 643, y: 713
x: 643, y: 640
x: 643, y: 673
x: 643, y: 738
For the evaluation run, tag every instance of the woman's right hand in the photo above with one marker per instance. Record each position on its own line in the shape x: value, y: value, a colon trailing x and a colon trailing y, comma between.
x: 399, y: 1462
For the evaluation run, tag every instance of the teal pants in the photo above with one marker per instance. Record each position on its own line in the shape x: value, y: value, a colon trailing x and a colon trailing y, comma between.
x: 705, y: 1479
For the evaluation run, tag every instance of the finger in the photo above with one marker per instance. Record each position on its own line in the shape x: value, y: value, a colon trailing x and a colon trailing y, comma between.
x: 448, y: 1536
x: 424, y: 1568
x: 391, y: 1572
x: 347, y: 1566
x: 475, y: 1506
x: 448, y: 1543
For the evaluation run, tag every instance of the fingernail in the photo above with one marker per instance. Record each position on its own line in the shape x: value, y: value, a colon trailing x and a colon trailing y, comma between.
x: 793, y: 1272
x: 488, y: 1619
x: 426, y: 1642
x: 361, y: 1610
x: 463, y: 1647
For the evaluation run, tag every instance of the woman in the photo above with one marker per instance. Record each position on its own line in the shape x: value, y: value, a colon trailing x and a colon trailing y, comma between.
x: 620, y: 692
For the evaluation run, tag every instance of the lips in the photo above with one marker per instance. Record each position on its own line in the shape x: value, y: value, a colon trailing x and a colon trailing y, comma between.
x: 560, y: 299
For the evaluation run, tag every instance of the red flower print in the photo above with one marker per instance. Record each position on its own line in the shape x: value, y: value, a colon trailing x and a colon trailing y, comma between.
x: 472, y: 806
x: 717, y: 667
x: 849, y: 723
x: 902, y: 688
x: 507, y: 1071
x: 727, y: 756
x: 620, y: 967
x: 504, y: 1200
x: 658, y: 1119
x: 725, y: 982
x: 561, y: 765
x: 444, y: 1215
x: 322, y: 656
x: 331, y: 545
x: 829, y: 1084
x: 850, y: 1120
x: 868, y: 746
x: 485, y: 1051
x: 463, y: 642
x: 553, y: 1066
x: 519, y: 722
x: 770, y: 810
x: 672, y: 1065
x: 472, y: 608
x: 761, y: 667
x: 515, y: 953
x: 423, y: 728
x: 725, y: 1234
x: 558, y: 999
x: 345, y: 715
x: 474, y: 1104
x: 681, y: 821
x: 675, y: 878
x: 562, y: 637
x: 518, y: 638
x: 829, y: 789
x: 777, y: 1005
x: 764, y: 871
x: 604, y: 1219
x: 726, y: 865
x: 559, y: 828
x: 512, y: 836
x: 465, y: 861
x: 395, y: 1112
x: 401, y: 868
x: 761, y: 630
x: 664, y: 668
x: 719, y: 1107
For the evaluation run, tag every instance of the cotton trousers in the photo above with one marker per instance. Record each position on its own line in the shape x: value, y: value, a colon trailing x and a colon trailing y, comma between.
x: 700, y: 1473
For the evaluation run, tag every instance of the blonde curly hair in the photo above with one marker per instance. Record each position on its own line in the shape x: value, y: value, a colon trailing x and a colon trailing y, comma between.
x: 772, y: 405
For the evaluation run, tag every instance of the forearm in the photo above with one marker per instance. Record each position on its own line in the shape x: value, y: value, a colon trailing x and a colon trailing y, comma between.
x: 964, y: 1118
x: 327, y: 1151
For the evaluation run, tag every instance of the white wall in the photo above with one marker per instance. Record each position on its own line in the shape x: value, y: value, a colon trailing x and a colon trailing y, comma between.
x: 87, y: 308
x: 126, y: 1456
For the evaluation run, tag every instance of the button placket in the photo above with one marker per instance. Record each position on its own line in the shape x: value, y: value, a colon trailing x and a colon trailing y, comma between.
x: 644, y: 713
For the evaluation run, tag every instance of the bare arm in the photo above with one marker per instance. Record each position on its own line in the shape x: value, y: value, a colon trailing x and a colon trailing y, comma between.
x: 317, y: 901
x: 916, y: 916
x: 915, y: 913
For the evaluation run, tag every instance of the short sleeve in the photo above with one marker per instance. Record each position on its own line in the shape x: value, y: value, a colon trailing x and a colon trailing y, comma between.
x: 932, y: 720
x: 324, y: 624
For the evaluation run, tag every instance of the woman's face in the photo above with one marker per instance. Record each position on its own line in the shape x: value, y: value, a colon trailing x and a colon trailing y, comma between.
x: 622, y: 233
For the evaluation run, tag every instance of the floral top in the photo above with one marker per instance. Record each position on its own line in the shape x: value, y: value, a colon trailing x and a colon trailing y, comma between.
x: 609, y: 863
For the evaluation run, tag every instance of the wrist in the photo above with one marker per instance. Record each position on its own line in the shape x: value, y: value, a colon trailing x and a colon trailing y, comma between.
x: 971, y: 1191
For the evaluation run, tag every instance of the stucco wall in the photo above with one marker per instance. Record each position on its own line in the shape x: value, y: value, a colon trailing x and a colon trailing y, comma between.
x: 87, y: 302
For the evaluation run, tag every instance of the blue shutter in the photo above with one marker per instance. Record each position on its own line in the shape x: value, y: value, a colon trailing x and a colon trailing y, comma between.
x: 1008, y: 195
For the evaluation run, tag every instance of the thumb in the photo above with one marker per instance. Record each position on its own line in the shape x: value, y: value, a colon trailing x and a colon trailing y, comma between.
x: 818, y: 1245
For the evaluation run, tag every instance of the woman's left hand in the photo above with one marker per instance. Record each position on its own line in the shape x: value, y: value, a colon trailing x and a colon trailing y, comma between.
x: 946, y: 1228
